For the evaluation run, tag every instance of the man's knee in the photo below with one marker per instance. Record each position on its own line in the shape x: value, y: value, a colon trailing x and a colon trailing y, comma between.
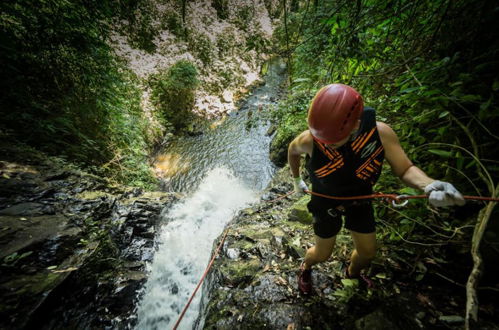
x: 321, y: 253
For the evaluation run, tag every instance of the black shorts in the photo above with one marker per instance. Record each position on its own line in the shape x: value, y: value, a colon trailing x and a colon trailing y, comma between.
x: 359, y: 217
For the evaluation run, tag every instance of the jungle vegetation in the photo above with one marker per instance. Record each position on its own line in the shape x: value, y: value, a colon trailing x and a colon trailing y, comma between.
x: 65, y: 92
x: 430, y: 68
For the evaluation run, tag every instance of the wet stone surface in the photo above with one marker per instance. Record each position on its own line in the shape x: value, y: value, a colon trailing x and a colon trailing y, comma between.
x: 73, y: 248
x: 253, y: 282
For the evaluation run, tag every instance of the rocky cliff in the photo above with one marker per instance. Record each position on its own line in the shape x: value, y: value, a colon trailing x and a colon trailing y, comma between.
x: 253, y: 282
x: 73, y: 247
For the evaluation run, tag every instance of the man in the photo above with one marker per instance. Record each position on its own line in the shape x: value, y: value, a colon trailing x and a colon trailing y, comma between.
x: 346, y: 147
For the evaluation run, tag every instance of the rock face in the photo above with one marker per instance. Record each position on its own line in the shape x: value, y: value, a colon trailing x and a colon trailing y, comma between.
x: 73, y: 248
x: 253, y: 282
x: 227, y: 41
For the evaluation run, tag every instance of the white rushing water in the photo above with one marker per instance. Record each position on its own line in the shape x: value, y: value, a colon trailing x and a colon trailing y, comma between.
x: 186, y: 242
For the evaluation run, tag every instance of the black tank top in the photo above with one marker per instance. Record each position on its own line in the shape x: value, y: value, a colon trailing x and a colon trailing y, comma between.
x: 349, y: 170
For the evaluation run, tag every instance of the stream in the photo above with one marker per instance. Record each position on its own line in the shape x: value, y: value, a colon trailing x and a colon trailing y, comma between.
x: 220, y: 172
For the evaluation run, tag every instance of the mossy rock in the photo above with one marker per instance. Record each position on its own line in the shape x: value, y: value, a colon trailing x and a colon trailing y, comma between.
x: 259, y: 233
x: 91, y: 195
x: 240, y: 272
x: 299, y: 211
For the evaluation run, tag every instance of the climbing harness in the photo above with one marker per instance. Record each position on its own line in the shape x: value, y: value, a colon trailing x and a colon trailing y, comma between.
x: 397, y: 201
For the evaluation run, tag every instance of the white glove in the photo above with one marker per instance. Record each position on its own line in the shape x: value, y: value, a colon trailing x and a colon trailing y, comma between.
x: 442, y: 193
x: 300, y: 186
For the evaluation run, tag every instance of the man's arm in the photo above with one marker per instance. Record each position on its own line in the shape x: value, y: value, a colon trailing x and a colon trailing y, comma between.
x: 302, y: 144
x: 439, y: 193
x: 401, y: 166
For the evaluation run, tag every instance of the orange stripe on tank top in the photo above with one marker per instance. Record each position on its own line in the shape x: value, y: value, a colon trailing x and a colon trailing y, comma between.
x: 325, y: 151
x: 364, y: 141
x: 368, y: 161
x: 330, y: 171
x: 358, y: 140
x: 328, y: 166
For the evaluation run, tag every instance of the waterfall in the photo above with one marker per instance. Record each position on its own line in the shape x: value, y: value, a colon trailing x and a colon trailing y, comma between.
x: 185, y: 245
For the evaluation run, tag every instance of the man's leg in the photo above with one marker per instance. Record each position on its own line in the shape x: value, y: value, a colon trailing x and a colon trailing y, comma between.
x: 364, y: 252
x: 326, y: 225
x: 320, y: 252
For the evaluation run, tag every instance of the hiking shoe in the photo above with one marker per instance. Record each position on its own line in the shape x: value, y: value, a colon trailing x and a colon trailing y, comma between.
x: 364, y: 281
x: 305, y: 281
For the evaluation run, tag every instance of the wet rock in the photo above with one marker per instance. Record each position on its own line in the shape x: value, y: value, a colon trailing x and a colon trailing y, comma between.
x: 299, y: 211
x: 26, y: 209
x: 133, y: 264
x: 450, y: 319
x: 36, y: 290
x: 73, y: 249
x: 259, y: 289
x: 25, y: 233
x: 294, y: 249
x: 266, y: 290
x: 278, y: 153
x: 139, y: 249
x: 232, y: 253
x: 239, y: 272
x: 271, y: 130
x: 375, y: 321
x: 227, y: 96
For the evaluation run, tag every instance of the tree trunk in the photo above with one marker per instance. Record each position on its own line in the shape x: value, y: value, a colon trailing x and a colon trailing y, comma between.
x: 476, y: 272
x: 288, y: 54
x: 184, y: 5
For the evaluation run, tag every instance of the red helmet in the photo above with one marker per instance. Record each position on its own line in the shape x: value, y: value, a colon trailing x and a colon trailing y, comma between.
x: 333, y: 113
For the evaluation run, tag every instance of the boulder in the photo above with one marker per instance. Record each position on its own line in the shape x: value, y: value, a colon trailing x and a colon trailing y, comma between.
x: 299, y: 211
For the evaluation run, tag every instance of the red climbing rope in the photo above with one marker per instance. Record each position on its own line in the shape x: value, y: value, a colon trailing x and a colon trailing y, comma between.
x: 201, y: 280
x: 396, y: 198
x: 280, y: 197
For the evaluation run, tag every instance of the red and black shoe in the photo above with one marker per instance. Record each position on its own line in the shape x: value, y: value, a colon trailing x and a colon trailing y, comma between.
x: 305, y: 280
x: 364, y: 281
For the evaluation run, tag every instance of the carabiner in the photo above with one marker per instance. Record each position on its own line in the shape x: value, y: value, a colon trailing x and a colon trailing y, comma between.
x: 402, y: 204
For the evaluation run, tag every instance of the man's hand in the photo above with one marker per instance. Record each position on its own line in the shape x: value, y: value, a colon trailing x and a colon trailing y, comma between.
x: 442, y: 193
x: 300, y: 186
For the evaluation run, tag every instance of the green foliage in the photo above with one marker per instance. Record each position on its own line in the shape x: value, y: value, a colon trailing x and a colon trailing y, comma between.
x: 228, y: 78
x: 243, y: 16
x: 226, y: 42
x: 64, y: 92
x: 290, y: 118
x: 349, y: 290
x: 12, y: 259
x: 414, y: 63
x: 273, y: 8
x: 138, y: 16
x: 256, y: 41
x: 173, y: 23
x: 292, y: 115
x: 222, y: 7
x: 173, y: 93
x: 201, y: 46
x: 430, y: 69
